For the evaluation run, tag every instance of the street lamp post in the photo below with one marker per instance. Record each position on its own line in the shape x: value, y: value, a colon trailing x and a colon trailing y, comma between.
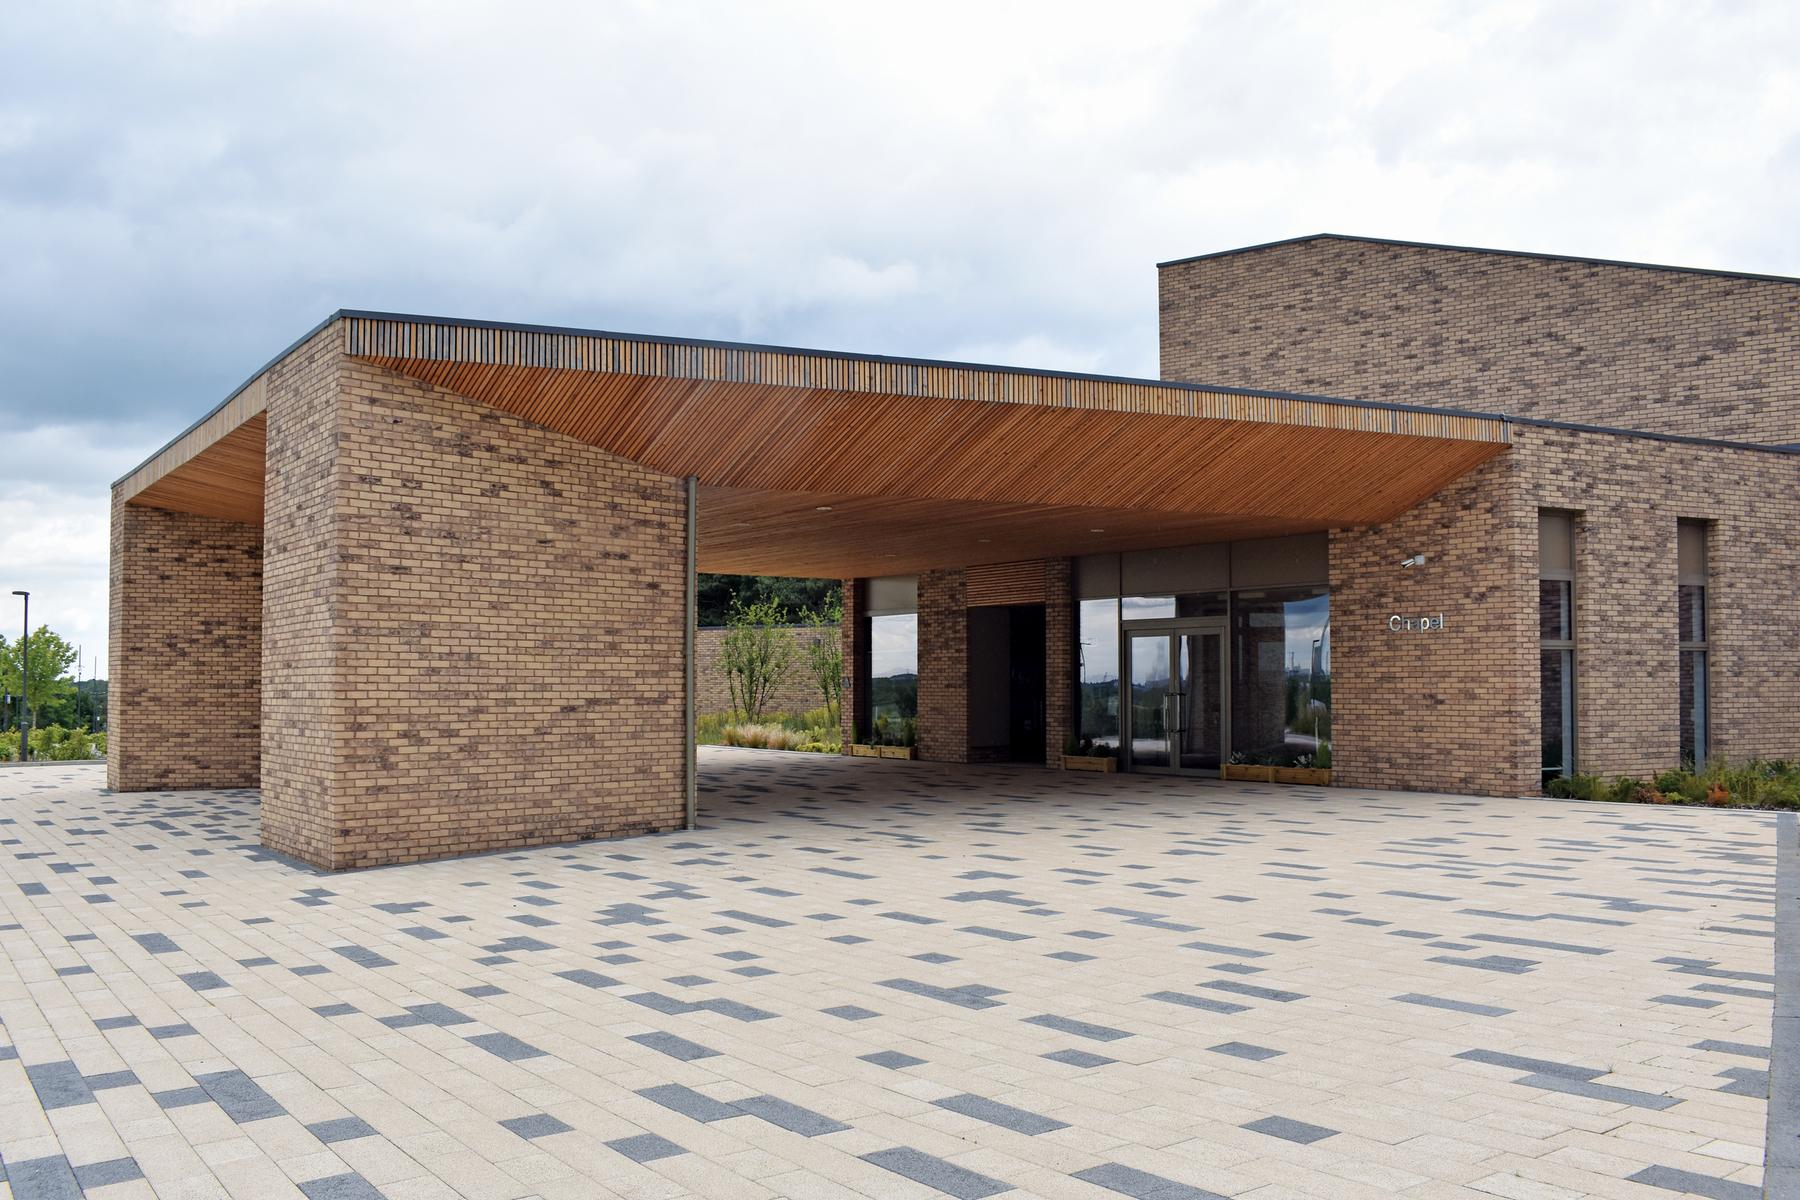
x: 24, y: 678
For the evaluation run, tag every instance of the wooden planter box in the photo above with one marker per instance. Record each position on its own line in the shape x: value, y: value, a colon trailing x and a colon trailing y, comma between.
x: 859, y: 750
x: 1106, y: 765
x: 1259, y: 773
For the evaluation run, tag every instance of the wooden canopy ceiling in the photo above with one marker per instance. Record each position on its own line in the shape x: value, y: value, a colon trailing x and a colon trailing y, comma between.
x: 835, y: 465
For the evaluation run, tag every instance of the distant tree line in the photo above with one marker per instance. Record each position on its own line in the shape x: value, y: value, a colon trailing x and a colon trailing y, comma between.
x: 793, y: 599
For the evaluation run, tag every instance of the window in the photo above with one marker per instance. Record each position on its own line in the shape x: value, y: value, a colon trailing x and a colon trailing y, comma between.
x: 1281, y: 677
x: 1097, y: 672
x: 1690, y: 594
x: 893, y: 677
x: 1556, y: 639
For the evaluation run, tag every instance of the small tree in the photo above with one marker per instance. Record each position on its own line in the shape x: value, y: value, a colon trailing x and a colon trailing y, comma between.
x: 825, y: 656
x: 51, y: 658
x: 757, y: 654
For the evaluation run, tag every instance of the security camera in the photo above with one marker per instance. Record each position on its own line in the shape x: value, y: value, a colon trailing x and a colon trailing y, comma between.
x: 1415, y: 561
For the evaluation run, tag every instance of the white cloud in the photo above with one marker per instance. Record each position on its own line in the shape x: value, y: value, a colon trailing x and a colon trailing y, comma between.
x: 185, y: 187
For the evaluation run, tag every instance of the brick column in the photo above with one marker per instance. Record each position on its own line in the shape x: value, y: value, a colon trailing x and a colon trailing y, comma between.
x: 855, y: 700
x: 943, y: 666
x: 476, y: 626
x: 1059, y: 658
x: 185, y: 652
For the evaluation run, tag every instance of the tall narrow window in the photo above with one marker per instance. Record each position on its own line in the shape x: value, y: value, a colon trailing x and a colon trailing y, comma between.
x: 1556, y: 639
x: 1691, y: 600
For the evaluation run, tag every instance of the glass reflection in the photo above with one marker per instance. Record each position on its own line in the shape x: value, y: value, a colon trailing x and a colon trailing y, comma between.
x: 1281, y: 677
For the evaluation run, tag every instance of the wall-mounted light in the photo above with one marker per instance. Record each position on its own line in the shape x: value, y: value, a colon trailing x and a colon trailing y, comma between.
x: 821, y: 508
x: 1417, y: 560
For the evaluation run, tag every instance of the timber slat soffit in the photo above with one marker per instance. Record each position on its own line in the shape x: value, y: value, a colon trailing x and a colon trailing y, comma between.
x: 816, y: 462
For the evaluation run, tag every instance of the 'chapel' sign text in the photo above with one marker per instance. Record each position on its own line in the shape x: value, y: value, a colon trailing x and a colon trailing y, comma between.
x: 1421, y: 624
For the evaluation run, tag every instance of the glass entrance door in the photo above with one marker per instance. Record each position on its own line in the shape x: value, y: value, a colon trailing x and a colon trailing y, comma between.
x: 1176, y: 717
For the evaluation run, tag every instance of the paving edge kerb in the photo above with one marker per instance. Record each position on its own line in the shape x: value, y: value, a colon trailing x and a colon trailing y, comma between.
x: 1781, y: 1145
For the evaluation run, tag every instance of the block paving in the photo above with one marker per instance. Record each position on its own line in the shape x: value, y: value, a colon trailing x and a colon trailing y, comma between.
x: 868, y: 978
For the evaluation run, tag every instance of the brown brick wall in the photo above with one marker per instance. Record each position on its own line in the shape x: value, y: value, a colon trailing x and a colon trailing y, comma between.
x: 795, y: 695
x: 1059, y: 657
x: 1438, y: 711
x: 1629, y: 493
x: 185, y: 652
x: 1669, y: 351
x: 1458, y: 710
x: 482, y: 628
x: 856, y: 648
x: 943, y: 666
x: 302, y: 734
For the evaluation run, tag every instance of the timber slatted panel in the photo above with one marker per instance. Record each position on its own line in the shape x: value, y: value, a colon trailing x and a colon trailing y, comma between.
x: 996, y: 584
x: 391, y: 341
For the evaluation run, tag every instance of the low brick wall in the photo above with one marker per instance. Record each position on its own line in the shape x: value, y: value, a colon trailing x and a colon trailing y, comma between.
x: 712, y: 691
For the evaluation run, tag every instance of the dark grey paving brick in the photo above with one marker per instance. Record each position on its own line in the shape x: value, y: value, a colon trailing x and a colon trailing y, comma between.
x: 1745, y: 1049
x: 1098, y: 1033
x: 536, y: 1125
x: 362, y: 956
x: 341, y: 1129
x: 893, y: 1060
x: 1252, y: 990
x: 1599, y: 1091
x: 1142, y: 1185
x: 439, y: 1014
x: 1204, y: 1003
x: 1290, y: 1130
x: 673, y: 1046
x: 59, y: 1085
x: 1691, y: 1183
x: 348, y: 1186
x: 646, y: 1147
x: 102, y: 1174
x: 1536, y: 1066
x: 791, y: 1117
x: 967, y: 996
x: 335, y: 1010
x: 689, y: 1103
x: 1245, y: 1050
x: 155, y: 943
x: 181, y: 1097
x: 117, y: 1023
x: 48, y: 1178
x: 1462, y: 1006
x: 505, y: 1045
x: 589, y: 979
x: 850, y: 1012
x: 1004, y: 1115
x: 204, y: 981
x: 934, y: 1172
x: 240, y: 1096
x: 112, y: 1079
x: 1079, y: 1058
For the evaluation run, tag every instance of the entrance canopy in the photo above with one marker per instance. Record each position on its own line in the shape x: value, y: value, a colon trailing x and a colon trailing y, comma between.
x: 838, y: 465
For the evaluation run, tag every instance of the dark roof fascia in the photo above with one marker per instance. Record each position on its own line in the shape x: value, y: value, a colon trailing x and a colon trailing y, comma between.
x: 1568, y: 258
x: 1681, y: 439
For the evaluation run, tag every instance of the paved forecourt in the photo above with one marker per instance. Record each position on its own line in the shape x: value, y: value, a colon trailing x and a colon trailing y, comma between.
x: 895, y: 980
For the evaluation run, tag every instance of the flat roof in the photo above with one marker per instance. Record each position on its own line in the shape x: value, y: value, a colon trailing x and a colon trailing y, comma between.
x: 1568, y: 258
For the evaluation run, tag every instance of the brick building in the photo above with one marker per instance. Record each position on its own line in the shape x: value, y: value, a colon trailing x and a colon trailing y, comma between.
x: 1427, y: 516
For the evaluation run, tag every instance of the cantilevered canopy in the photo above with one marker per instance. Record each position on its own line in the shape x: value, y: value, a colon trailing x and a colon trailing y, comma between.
x: 816, y: 463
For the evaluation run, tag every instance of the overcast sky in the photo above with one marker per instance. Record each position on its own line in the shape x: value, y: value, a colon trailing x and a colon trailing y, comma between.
x: 185, y: 188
